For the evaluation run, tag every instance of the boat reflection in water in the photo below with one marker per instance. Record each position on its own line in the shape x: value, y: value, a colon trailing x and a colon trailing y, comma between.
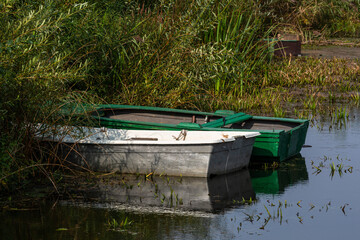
x: 275, y: 181
x: 163, y: 193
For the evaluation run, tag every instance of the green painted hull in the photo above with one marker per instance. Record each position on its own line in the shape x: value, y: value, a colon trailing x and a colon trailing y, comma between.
x: 280, y: 145
x: 274, y: 144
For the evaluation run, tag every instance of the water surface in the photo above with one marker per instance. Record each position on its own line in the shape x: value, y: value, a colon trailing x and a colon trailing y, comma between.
x: 303, y: 198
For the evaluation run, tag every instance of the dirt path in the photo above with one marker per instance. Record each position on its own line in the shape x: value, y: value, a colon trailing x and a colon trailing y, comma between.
x: 331, y: 52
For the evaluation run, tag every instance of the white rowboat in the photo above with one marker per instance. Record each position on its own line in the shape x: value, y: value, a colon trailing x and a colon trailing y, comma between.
x: 185, y: 153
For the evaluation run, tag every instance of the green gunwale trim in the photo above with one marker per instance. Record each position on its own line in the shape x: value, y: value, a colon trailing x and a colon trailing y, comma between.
x: 235, y: 118
x: 281, y: 119
x: 224, y: 112
x: 219, y: 113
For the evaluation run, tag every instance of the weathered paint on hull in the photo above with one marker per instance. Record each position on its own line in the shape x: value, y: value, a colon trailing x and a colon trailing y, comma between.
x: 183, y: 160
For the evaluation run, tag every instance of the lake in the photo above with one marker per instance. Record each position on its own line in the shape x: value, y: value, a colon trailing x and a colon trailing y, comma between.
x: 312, y: 196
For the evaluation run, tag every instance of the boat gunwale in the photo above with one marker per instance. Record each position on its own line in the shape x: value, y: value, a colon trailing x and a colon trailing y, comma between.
x: 302, y: 123
x: 127, y: 142
x: 291, y: 120
x: 114, y: 106
x: 66, y: 138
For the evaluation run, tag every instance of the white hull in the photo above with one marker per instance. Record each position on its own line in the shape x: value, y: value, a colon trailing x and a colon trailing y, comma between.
x: 201, y: 154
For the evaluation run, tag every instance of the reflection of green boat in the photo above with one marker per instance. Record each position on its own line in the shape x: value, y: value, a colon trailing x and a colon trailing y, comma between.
x: 276, y: 181
x: 280, y: 138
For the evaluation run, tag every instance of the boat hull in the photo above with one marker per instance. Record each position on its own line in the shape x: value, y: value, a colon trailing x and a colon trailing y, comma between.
x: 278, y: 145
x: 194, y: 159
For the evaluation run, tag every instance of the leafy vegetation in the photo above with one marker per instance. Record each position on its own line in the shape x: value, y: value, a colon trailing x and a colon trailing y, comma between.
x: 199, y: 54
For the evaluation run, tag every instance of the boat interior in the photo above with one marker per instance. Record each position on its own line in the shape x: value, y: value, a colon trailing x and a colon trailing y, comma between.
x: 176, y: 118
x: 155, y: 116
x: 260, y: 124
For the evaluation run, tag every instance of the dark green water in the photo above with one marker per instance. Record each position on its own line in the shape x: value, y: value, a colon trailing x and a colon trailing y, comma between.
x: 303, y: 198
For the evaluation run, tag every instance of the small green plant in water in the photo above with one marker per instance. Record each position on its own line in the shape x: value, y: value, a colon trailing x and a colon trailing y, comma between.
x: 115, y: 225
x: 245, y: 201
x: 340, y: 168
x: 339, y: 117
x: 336, y: 168
x: 356, y: 98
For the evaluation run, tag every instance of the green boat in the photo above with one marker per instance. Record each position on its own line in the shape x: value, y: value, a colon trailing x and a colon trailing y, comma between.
x: 280, y: 139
